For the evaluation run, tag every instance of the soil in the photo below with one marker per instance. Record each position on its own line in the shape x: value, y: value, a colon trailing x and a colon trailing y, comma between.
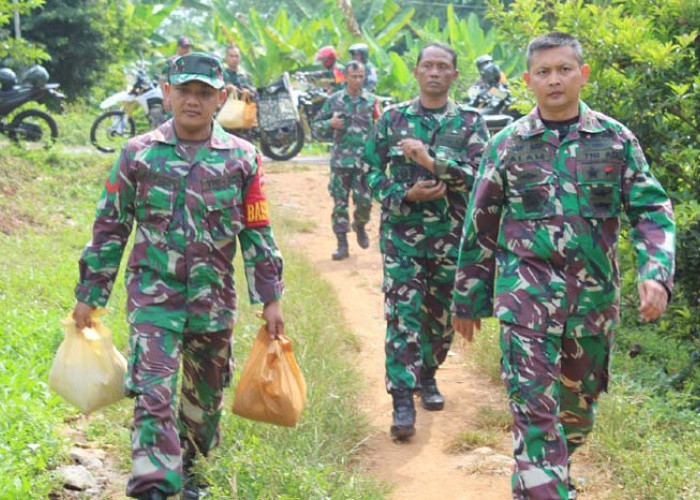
x: 424, y: 468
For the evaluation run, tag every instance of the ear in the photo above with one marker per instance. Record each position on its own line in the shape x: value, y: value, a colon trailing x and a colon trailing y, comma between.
x: 526, y: 77
x: 415, y: 71
x: 222, y: 96
x: 166, y: 90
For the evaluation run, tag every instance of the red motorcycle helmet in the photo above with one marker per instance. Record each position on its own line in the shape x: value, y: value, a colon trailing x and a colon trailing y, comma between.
x: 327, y: 56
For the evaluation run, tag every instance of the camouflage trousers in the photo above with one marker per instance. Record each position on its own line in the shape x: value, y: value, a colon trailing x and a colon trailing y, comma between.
x: 553, y: 384
x: 344, y: 182
x: 418, y: 291
x: 159, y: 432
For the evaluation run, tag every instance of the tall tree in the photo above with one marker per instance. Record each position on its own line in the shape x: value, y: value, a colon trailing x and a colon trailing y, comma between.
x: 83, y: 37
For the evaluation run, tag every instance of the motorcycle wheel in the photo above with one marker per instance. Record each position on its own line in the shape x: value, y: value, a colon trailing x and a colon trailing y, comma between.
x: 33, y: 127
x: 111, y: 129
x: 288, y: 151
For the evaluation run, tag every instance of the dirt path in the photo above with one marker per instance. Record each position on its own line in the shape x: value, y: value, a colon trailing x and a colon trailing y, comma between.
x: 422, y: 469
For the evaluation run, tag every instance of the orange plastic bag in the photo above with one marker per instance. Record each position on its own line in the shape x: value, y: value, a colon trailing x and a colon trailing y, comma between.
x: 88, y: 371
x: 272, y: 388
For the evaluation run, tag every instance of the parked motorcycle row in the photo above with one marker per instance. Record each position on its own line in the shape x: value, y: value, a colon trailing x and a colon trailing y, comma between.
x: 29, y: 127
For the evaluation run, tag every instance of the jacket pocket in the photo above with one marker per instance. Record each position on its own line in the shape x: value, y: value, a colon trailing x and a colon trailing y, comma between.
x: 531, y: 191
x: 600, y: 184
x: 224, y: 212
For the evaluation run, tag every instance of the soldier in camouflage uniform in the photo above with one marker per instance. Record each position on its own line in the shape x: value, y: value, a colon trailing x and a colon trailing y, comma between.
x: 539, y: 252
x: 192, y: 190
x: 350, y: 113
x: 237, y: 80
x: 432, y: 147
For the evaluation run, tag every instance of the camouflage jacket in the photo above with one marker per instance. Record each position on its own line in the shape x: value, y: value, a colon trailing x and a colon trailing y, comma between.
x: 360, y: 114
x: 544, y: 224
x: 188, y: 212
x: 455, y: 139
x: 239, y: 79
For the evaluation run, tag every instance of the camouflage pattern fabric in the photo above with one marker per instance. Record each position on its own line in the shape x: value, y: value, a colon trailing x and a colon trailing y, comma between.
x: 539, y: 252
x: 553, y: 384
x: 419, y: 240
x: 157, y: 438
x: 547, y: 212
x: 189, y: 212
x: 348, y: 172
x: 239, y: 79
x: 190, y: 202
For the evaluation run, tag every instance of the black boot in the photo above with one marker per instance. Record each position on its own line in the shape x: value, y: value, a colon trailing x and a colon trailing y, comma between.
x: 362, y: 236
x: 152, y: 494
x: 404, y: 415
x: 430, y: 397
x: 342, y: 251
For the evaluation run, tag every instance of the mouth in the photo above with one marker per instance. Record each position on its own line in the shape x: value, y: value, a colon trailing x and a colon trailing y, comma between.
x: 555, y: 94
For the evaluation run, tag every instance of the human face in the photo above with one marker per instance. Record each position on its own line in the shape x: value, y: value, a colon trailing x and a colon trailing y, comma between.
x: 435, y: 73
x: 194, y: 104
x: 354, y: 79
x: 556, y: 77
x: 233, y: 59
x: 183, y: 50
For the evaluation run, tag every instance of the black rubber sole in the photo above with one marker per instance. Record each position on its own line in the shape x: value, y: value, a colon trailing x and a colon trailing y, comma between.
x: 402, y: 433
x: 432, y: 406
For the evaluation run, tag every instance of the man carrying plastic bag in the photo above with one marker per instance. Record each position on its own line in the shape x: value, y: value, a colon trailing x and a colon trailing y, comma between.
x: 192, y: 190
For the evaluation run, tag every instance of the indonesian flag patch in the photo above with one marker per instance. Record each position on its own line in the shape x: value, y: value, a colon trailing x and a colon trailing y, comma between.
x: 255, y: 203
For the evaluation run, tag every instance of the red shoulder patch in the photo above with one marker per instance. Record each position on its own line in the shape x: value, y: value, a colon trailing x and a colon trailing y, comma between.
x: 255, y: 203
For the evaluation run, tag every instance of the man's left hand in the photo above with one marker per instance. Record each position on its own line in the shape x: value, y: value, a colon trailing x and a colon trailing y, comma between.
x: 416, y: 151
x: 274, y: 322
x: 653, y: 299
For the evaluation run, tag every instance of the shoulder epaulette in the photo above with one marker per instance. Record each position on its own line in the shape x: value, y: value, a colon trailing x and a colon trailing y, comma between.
x: 397, y: 105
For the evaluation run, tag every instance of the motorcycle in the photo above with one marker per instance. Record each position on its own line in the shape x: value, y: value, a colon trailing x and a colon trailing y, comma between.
x: 279, y: 132
x: 113, y: 127
x: 494, y: 105
x: 310, y: 100
x: 29, y: 125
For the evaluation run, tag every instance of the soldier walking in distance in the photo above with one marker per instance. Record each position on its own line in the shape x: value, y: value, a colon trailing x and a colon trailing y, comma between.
x: 193, y: 190
x: 539, y: 252
x: 350, y: 113
x: 423, y: 157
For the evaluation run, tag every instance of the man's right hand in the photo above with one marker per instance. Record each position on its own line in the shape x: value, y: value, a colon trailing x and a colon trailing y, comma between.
x: 426, y: 190
x: 466, y: 327
x: 82, y: 315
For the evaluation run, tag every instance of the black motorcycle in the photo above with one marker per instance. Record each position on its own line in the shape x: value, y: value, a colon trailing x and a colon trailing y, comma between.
x: 30, y: 125
x: 311, y: 99
x: 494, y: 105
x: 279, y: 132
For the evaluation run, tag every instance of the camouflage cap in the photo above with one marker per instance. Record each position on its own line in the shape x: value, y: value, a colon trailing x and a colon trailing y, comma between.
x: 197, y: 66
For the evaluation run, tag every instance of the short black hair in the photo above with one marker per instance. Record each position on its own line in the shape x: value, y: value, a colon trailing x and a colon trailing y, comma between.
x: 353, y: 65
x: 441, y: 46
x: 554, y: 40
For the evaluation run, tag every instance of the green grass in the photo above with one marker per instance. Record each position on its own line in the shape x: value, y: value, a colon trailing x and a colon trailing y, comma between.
x: 47, y: 201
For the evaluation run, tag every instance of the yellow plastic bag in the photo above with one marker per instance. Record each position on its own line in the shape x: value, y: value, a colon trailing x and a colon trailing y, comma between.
x: 88, y: 371
x: 238, y: 113
x: 272, y: 388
